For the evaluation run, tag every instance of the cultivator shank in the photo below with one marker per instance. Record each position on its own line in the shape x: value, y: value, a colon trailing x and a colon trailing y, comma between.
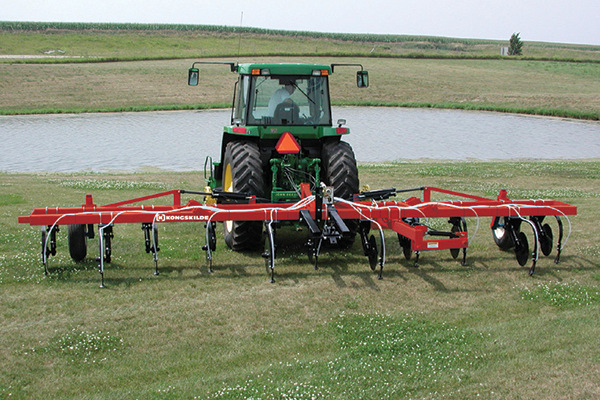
x: 329, y: 220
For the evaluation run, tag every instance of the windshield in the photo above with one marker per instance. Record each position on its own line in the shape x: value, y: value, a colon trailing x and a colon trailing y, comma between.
x: 289, y: 100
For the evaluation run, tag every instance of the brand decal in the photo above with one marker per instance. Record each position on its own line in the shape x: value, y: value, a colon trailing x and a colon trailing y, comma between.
x: 175, y: 218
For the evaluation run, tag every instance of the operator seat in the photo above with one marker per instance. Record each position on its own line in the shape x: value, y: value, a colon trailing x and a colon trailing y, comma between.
x: 286, y: 113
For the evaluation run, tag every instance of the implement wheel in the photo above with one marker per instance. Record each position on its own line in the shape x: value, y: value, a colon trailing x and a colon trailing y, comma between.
x: 77, y: 242
x: 340, y: 171
x: 501, y: 235
x: 243, y: 173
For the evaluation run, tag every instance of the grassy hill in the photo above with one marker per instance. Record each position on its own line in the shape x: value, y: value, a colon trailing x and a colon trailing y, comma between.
x: 49, y: 68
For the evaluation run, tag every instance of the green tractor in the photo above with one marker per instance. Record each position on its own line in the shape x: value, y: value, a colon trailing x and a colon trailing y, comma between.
x: 281, y: 135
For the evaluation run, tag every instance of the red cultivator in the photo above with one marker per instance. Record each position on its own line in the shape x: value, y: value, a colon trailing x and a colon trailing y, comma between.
x: 329, y: 220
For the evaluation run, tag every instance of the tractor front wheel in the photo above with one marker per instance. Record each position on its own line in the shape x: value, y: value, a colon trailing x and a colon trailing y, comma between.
x: 243, y: 173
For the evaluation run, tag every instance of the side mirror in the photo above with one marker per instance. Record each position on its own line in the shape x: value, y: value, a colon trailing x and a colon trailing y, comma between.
x: 193, y: 74
x: 362, y: 79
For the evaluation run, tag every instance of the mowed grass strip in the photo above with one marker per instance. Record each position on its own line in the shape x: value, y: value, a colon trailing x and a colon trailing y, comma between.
x: 548, y: 88
x: 442, y: 330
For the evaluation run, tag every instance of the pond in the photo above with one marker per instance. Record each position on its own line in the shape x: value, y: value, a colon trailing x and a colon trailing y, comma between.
x: 181, y: 140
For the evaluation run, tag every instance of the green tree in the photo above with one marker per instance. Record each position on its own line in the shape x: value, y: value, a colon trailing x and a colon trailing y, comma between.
x: 515, y: 47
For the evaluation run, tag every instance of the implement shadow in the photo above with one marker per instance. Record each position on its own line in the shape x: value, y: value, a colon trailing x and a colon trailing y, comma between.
x: 341, y: 265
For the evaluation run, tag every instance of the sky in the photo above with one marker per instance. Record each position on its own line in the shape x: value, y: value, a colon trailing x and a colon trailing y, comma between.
x: 573, y: 21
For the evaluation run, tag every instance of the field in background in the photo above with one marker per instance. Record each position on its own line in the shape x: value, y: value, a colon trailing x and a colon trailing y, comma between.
x: 440, y: 331
x: 135, y: 41
x: 551, y: 79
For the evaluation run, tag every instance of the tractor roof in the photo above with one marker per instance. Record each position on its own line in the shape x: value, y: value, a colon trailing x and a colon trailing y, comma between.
x: 283, y: 69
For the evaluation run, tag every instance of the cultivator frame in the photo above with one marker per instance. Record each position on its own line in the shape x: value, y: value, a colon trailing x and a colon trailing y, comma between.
x: 325, y: 216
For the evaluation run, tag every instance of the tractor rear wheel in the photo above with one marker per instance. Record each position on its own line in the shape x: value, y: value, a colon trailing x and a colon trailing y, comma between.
x: 341, y: 172
x: 243, y: 173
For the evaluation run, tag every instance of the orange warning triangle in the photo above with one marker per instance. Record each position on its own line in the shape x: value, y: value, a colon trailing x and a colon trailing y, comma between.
x: 287, y: 144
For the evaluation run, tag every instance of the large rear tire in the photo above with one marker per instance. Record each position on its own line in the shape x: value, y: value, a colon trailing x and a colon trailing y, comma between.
x: 243, y: 173
x: 341, y: 172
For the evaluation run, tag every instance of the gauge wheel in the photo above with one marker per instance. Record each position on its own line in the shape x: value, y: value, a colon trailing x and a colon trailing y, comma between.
x: 77, y: 242
x: 501, y: 235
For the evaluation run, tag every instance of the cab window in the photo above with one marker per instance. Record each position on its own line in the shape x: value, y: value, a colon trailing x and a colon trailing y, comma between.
x: 288, y: 100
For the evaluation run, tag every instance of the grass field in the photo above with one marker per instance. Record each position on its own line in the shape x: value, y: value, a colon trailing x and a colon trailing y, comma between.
x: 440, y: 331
x: 143, y: 45
x: 148, y: 41
x: 551, y: 79
x: 547, y: 88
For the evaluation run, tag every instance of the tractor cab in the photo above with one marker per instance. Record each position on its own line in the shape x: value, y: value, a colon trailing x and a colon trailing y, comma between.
x: 282, y: 95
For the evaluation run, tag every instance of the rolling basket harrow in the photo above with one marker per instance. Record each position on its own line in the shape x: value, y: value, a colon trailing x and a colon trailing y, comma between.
x: 329, y: 220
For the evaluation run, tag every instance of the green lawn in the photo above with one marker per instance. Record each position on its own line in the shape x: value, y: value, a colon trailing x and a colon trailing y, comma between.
x: 442, y: 330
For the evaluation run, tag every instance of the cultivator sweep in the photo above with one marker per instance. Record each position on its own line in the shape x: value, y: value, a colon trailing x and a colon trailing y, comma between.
x: 330, y: 220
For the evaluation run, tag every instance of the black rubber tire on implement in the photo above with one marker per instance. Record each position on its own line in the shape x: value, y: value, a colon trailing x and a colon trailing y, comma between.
x: 341, y: 172
x: 243, y: 173
x: 501, y: 235
x: 77, y: 242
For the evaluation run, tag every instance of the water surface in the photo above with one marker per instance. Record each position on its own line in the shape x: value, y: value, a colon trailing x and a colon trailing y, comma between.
x: 180, y: 140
